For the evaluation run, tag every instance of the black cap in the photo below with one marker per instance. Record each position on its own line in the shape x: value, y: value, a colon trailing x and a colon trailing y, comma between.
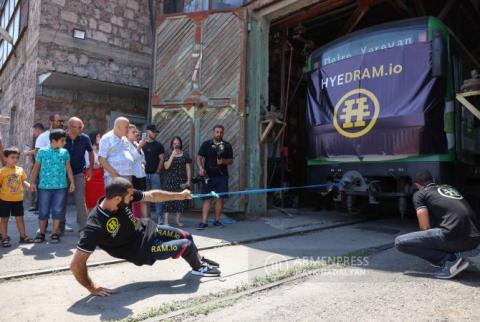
x: 153, y: 128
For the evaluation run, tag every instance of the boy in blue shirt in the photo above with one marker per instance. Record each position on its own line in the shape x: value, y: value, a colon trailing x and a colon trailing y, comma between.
x: 53, y: 164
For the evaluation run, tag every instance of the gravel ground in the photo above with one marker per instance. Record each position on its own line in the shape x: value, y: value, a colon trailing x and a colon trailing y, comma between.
x: 379, y: 291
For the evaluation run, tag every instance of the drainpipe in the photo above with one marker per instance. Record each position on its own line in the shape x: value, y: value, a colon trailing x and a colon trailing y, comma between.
x: 152, y: 13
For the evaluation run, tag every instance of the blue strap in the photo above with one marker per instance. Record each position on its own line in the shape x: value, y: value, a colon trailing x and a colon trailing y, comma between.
x: 213, y: 194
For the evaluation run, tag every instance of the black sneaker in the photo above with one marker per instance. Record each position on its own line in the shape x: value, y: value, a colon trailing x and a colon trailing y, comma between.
x: 218, y: 223
x: 452, y: 268
x: 209, y: 262
x: 202, y: 226
x: 206, y: 270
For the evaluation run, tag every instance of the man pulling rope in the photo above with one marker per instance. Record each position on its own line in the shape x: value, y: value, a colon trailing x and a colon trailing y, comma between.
x: 112, y: 227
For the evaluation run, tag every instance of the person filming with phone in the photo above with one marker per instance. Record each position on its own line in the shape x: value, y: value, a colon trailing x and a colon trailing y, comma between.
x: 177, y: 177
x: 213, y: 158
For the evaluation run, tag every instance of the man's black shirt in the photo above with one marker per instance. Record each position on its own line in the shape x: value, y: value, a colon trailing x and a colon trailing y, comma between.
x: 152, y: 151
x: 120, y: 234
x: 449, y: 210
x: 209, y: 152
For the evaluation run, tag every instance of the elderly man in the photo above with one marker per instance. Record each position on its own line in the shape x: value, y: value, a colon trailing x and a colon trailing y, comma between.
x: 77, y: 143
x: 114, y: 152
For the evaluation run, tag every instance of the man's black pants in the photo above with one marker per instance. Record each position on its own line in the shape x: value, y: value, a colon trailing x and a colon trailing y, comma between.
x: 173, y: 243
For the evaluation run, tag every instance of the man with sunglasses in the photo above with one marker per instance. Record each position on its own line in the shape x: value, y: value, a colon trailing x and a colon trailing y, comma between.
x: 77, y: 143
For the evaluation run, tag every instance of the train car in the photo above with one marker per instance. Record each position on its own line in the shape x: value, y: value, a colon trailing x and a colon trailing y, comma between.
x: 381, y: 107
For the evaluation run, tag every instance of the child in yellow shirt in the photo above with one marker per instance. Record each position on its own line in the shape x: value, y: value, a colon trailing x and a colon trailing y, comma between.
x: 12, y: 180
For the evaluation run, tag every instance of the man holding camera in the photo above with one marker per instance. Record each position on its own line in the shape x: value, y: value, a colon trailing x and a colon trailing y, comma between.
x: 213, y: 158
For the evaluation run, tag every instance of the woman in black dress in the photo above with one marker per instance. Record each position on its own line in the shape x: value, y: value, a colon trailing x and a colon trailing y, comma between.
x: 177, y: 177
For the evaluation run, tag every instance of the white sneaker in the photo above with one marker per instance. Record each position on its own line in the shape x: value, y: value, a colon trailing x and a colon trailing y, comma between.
x: 68, y: 228
x: 206, y: 270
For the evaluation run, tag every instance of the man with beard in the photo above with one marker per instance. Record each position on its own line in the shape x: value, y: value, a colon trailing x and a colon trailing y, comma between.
x: 112, y: 227
x: 213, y: 158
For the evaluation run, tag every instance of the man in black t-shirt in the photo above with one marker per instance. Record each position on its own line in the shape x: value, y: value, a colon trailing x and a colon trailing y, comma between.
x: 213, y: 158
x: 112, y: 227
x: 154, y: 157
x: 448, y: 226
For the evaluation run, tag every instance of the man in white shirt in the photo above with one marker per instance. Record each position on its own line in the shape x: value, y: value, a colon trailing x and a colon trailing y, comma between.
x: 43, y: 140
x: 114, y: 152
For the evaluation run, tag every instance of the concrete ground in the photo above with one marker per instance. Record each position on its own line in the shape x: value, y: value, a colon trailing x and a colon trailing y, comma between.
x: 376, y: 292
x: 140, y: 289
x: 37, y: 257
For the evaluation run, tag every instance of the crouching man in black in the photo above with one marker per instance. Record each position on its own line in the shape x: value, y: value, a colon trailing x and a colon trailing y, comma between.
x: 112, y: 227
x: 448, y: 226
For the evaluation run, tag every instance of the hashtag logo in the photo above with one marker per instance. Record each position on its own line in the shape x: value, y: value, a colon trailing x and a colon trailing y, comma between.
x: 449, y: 192
x: 359, y: 113
x: 356, y: 113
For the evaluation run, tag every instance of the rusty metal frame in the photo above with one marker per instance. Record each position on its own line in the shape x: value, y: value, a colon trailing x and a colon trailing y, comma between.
x: 462, y: 98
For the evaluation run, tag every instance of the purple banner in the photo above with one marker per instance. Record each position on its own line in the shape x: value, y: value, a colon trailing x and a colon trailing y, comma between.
x: 382, y: 103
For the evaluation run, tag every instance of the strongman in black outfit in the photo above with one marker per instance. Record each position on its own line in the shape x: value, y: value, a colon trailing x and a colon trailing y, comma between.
x: 112, y: 227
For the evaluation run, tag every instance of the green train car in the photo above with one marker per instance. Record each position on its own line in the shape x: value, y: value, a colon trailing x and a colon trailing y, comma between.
x: 381, y: 107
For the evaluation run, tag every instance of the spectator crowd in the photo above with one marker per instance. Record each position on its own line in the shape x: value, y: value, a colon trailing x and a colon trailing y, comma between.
x: 69, y: 164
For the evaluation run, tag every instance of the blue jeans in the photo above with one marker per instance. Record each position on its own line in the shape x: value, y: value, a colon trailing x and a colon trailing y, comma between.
x: 51, y: 201
x: 432, y: 245
x: 153, y: 182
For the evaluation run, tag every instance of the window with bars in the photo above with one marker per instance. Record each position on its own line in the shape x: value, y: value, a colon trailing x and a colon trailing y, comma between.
x: 179, y: 6
x: 12, y: 20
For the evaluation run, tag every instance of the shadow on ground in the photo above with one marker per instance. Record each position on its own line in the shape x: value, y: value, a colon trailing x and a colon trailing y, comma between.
x: 116, y: 307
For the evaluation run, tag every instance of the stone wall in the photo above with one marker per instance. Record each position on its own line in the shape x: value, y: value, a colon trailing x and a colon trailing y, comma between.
x: 94, y: 109
x: 18, y: 83
x: 117, y: 47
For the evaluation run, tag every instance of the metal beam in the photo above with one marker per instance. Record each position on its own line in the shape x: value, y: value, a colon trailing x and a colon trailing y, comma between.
x: 357, y: 15
x: 282, y: 8
x: 400, y: 6
x: 309, y: 13
x: 446, y: 8
x: 420, y: 8
x: 461, y: 97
